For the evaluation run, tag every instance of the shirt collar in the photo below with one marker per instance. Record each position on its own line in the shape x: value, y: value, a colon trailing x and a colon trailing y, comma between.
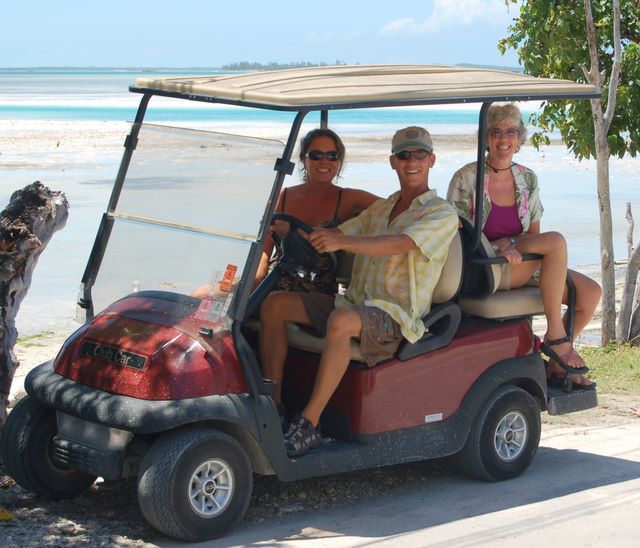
x: 423, y: 199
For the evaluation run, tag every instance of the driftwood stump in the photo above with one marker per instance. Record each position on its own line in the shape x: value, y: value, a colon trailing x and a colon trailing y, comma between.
x: 26, y: 226
x: 629, y: 318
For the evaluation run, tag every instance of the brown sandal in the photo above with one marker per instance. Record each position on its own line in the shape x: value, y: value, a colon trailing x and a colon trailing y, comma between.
x: 570, y: 361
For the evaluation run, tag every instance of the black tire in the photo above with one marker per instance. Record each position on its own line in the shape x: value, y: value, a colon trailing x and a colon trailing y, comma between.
x: 504, y: 437
x: 171, y: 491
x: 27, y: 453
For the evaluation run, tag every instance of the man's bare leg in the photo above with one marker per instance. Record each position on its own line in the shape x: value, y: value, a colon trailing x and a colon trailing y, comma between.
x: 343, y: 325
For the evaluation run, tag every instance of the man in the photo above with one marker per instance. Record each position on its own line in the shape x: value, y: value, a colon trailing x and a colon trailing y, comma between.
x: 401, y: 244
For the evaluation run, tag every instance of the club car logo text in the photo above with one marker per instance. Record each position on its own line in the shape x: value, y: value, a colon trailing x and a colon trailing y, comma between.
x: 111, y: 354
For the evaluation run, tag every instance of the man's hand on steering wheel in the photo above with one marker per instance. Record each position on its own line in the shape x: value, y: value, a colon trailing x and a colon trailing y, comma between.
x: 326, y: 240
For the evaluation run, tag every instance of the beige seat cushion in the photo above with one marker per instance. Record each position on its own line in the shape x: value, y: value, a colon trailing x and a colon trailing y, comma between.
x: 524, y: 301
x: 307, y: 339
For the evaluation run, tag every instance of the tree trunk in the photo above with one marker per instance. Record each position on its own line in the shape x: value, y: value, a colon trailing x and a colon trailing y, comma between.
x: 634, y: 328
x: 602, y: 123
x: 627, y: 329
x: 629, y: 217
x: 26, y: 226
x: 606, y: 226
x: 606, y: 241
x: 626, y: 306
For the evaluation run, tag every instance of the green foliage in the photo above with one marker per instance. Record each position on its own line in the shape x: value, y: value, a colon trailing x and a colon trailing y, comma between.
x: 616, y: 367
x: 550, y: 38
x: 35, y: 340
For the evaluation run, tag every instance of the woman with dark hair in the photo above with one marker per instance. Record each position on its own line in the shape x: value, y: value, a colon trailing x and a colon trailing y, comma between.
x: 511, y: 216
x: 317, y: 201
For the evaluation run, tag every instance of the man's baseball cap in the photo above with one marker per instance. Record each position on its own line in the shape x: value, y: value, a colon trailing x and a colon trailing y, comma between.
x: 411, y: 137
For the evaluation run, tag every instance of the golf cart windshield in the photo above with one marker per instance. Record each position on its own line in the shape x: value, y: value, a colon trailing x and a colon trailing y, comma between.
x: 191, y: 203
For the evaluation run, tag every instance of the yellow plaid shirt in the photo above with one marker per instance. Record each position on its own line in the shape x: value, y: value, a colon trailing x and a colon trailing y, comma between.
x: 403, y: 284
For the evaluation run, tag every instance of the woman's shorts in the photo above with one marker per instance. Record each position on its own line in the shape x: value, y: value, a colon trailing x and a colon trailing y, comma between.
x: 505, y: 278
x: 380, y: 335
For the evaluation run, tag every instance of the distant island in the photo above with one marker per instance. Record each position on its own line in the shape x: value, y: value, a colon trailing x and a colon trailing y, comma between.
x: 252, y: 65
x: 248, y: 66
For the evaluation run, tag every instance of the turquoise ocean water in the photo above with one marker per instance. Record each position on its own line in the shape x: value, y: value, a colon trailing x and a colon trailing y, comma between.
x: 102, y: 95
x: 99, y: 99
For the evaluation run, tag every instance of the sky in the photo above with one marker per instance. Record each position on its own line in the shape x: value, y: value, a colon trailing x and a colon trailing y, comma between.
x: 212, y: 33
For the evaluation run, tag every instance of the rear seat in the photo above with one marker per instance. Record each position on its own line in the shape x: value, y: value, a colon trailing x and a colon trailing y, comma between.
x: 442, y: 321
x: 480, y: 295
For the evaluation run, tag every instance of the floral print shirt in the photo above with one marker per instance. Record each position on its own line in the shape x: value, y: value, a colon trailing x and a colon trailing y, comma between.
x: 462, y: 194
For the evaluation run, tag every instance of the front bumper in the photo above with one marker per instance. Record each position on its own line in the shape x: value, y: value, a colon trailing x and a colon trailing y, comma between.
x: 132, y: 414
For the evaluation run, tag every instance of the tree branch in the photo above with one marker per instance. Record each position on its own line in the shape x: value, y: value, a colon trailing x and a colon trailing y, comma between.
x: 593, y: 74
x: 615, y: 68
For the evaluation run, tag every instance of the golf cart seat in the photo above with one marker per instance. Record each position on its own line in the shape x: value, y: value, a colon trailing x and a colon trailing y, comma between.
x: 441, y: 322
x: 480, y: 295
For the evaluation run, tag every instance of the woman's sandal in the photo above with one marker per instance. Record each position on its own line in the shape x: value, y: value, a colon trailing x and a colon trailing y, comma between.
x: 570, y: 361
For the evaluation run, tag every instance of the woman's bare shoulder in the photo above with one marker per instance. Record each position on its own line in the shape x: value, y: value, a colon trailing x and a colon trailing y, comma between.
x: 360, y: 197
x: 295, y: 189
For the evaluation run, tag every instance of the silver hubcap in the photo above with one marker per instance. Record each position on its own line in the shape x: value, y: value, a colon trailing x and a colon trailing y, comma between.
x: 211, y: 488
x: 511, y: 436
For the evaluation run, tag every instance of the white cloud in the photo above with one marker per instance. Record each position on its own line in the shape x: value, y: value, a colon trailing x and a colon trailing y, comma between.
x: 316, y: 37
x: 448, y: 13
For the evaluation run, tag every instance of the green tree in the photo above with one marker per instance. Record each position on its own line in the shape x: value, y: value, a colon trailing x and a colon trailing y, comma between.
x: 595, y: 42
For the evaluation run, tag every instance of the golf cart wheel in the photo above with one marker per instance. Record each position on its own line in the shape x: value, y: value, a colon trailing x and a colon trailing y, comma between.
x: 504, y: 437
x: 27, y: 453
x: 195, y: 484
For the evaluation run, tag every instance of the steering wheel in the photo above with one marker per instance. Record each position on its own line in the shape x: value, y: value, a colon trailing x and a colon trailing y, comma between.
x: 298, y: 255
x: 297, y: 250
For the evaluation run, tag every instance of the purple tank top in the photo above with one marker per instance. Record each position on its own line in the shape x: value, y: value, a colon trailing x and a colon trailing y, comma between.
x: 503, y: 221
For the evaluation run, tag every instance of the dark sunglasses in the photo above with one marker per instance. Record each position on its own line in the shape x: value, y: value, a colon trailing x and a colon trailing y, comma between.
x: 417, y: 154
x: 315, y: 155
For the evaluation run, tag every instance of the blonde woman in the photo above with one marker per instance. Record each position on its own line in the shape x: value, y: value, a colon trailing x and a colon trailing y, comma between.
x: 511, y: 216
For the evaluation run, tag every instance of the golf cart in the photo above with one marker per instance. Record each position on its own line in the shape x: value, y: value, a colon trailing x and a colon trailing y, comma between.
x: 166, y: 387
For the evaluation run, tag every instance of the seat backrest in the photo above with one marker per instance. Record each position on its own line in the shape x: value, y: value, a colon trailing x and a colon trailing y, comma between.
x: 451, y: 276
x: 479, y: 280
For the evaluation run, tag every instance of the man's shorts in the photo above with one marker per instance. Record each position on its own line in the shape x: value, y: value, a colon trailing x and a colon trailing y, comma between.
x: 380, y: 335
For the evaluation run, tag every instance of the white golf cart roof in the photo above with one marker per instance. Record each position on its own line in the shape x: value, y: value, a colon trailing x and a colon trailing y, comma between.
x: 357, y: 86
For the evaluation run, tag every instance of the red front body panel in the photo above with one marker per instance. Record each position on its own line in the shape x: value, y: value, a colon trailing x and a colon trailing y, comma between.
x: 152, y: 349
x: 397, y: 394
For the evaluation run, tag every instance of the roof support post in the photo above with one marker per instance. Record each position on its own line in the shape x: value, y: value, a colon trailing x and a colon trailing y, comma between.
x: 480, y: 165
x: 324, y: 119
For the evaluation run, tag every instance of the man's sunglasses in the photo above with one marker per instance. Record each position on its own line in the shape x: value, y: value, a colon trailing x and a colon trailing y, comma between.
x: 315, y: 155
x: 417, y: 154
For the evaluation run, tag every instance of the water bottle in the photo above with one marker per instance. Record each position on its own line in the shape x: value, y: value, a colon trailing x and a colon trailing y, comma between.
x: 214, y: 306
